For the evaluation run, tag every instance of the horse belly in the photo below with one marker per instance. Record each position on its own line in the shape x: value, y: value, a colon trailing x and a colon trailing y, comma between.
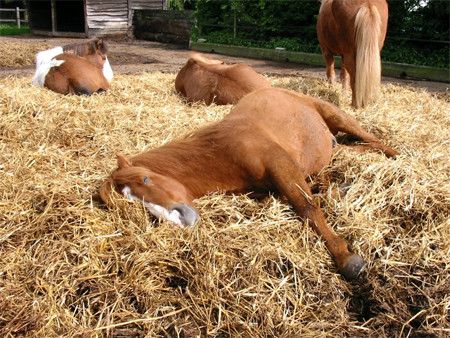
x: 308, y: 140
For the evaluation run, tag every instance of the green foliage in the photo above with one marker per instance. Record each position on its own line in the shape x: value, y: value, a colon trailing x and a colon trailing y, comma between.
x: 292, y: 44
x: 6, y: 29
x: 181, y: 4
x: 393, y: 51
x: 292, y: 24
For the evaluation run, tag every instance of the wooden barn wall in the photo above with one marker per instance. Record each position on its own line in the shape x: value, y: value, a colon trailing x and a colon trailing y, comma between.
x: 106, y: 17
x: 163, y: 25
x: 149, y: 4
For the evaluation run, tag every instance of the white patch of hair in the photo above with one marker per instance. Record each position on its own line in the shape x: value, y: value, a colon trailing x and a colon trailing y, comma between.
x: 44, y: 62
x: 155, y: 209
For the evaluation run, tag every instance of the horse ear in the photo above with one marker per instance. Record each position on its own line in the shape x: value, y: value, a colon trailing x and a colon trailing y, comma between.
x: 122, y: 161
x: 101, y: 46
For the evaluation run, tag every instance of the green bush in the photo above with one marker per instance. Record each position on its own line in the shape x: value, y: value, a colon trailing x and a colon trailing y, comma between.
x: 292, y: 24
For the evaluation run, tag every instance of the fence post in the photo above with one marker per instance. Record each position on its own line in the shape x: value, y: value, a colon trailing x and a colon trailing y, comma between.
x: 18, y: 16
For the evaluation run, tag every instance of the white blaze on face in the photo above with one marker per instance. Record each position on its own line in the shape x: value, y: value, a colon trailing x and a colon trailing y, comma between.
x: 107, y: 70
x: 155, y: 209
x: 44, y: 62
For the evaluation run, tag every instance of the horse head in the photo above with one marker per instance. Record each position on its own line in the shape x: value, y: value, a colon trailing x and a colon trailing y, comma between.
x: 94, y: 50
x: 97, y: 53
x: 163, y: 196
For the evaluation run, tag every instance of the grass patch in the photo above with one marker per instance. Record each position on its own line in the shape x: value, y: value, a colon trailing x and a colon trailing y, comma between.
x: 10, y: 29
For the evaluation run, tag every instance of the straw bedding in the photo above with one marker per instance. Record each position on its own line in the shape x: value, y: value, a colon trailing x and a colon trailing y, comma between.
x: 251, y: 268
x: 17, y: 53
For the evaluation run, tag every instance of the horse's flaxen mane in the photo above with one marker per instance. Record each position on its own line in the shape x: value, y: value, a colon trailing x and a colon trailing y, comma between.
x: 87, y: 47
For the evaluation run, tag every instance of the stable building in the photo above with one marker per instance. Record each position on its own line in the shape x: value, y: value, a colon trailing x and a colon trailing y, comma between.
x: 86, y: 18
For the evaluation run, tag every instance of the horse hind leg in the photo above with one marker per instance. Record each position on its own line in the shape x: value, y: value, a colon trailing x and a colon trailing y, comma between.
x: 329, y: 60
x: 345, y: 77
x: 56, y: 82
x: 339, y: 121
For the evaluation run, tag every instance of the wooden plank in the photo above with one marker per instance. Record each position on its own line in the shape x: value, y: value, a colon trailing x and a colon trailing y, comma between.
x: 123, y: 14
x: 102, y: 18
x: 53, y: 9
x: 103, y: 5
x: 147, y: 4
x: 11, y: 10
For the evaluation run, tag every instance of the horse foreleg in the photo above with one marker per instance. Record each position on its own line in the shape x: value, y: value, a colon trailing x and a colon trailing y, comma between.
x: 337, y: 120
x: 291, y: 183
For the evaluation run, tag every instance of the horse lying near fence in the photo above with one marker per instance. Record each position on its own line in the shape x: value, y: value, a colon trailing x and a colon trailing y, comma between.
x: 80, y: 68
x: 272, y: 140
x: 207, y: 80
x: 355, y: 30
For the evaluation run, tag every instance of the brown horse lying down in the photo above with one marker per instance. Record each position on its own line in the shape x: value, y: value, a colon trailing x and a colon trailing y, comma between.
x: 81, y: 68
x: 208, y: 80
x: 355, y: 30
x: 271, y: 141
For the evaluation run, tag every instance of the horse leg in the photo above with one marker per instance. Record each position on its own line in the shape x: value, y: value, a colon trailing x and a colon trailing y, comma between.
x: 344, y: 76
x: 337, y: 120
x: 349, y: 64
x: 291, y: 183
x: 57, y: 82
x: 329, y: 60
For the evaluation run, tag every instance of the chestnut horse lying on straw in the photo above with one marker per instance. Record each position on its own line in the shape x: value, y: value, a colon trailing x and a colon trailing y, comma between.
x: 354, y: 29
x: 81, y: 68
x: 207, y: 80
x: 271, y: 140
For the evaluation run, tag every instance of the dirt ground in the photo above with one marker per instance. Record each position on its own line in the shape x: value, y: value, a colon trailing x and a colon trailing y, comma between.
x: 129, y: 56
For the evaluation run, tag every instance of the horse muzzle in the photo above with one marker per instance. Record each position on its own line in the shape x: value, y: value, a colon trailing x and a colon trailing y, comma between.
x: 188, y: 214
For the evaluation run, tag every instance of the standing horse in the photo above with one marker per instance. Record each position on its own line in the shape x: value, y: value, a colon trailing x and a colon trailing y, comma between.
x: 207, y: 80
x: 80, y: 68
x: 273, y: 139
x: 354, y: 29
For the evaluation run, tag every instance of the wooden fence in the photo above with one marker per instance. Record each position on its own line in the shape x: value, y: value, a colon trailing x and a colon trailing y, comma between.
x: 18, y: 17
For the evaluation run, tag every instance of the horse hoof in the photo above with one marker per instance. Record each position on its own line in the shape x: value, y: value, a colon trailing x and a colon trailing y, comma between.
x: 352, y: 267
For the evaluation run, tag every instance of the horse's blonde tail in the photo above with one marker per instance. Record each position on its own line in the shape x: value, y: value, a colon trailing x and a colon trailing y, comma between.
x: 368, y: 60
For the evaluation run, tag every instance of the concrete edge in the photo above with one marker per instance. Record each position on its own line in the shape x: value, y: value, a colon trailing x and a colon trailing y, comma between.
x: 391, y: 69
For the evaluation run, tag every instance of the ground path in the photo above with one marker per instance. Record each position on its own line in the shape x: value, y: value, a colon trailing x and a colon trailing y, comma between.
x: 129, y: 56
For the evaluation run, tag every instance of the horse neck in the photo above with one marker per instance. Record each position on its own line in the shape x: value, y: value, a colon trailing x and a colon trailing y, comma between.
x: 81, y: 49
x: 196, y: 162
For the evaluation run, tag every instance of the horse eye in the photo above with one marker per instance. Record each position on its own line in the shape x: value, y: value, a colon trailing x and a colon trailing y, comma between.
x: 146, y: 180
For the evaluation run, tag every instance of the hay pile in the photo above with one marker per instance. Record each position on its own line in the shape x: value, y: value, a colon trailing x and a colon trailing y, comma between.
x: 15, y: 53
x: 70, y: 267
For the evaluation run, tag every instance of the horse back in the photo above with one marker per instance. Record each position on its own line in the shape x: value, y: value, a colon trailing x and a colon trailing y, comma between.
x: 208, y: 80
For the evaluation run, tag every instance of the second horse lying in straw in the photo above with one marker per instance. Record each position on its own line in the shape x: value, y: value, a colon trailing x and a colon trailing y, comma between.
x: 272, y: 140
x: 79, y: 68
x: 208, y: 80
